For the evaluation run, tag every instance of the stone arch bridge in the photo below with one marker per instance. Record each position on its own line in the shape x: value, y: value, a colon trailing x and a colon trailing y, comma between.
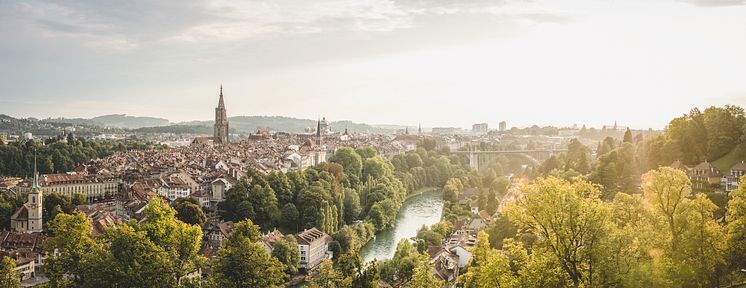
x: 536, y: 156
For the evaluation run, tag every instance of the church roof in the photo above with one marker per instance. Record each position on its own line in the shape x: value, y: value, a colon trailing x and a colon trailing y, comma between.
x: 21, y: 214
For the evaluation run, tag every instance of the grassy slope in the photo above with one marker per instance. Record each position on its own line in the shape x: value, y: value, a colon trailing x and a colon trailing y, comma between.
x: 730, y: 159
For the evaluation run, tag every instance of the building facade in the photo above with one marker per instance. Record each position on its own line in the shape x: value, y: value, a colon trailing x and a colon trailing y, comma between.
x: 69, y: 184
x: 480, y: 128
x: 314, y: 247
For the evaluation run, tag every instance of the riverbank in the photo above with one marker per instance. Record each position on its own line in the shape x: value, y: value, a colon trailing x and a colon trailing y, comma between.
x: 422, y: 207
x: 420, y: 191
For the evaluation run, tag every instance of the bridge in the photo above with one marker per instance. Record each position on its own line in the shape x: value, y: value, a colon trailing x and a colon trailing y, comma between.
x: 536, y: 156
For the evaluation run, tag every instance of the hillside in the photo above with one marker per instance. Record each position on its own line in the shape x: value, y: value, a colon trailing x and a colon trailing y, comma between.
x: 116, y: 121
x: 734, y: 156
x: 249, y: 124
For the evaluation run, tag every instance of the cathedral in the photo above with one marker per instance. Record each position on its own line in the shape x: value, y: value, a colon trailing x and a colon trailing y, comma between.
x: 220, y: 134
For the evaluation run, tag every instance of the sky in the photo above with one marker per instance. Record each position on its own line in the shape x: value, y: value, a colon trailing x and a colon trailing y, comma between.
x: 434, y: 62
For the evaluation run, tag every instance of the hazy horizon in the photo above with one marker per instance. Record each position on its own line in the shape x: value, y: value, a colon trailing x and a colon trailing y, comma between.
x: 439, y: 63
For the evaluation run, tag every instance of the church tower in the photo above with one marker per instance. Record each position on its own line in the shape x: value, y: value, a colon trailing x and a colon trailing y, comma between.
x: 221, y: 122
x: 35, y: 204
x: 318, y: 133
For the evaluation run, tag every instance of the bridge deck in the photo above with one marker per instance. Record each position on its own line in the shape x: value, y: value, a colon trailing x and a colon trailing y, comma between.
x: 510, y: 151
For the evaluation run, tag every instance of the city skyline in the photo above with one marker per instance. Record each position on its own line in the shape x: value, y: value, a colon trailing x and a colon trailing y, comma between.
x: 376, y: 61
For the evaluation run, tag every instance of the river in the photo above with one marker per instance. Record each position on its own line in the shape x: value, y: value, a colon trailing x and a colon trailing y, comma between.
x: 425, y: 208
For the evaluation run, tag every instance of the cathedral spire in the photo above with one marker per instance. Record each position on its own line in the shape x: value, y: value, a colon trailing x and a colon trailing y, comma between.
x: 220, y: 103
x: 35, y: 183
x: 318, y: 132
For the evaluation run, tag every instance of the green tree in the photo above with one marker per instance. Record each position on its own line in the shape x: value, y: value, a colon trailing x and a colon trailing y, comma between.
x: 189, y: 211
x: 703, y: 246
x: 666, y: 189
x: 736, y: 219
x: 489, y: 268
x: 8, y: 275
x: 286, y: 250
x: 352, y: 206
x: 328, y: 277
x: 180, y: 240
x: 422, y: 275
x: 376, y: 167
x: 289, y: 215
x: 132, y: 260
x: 627, y: 136
x: 242, y: 262
x: 73, y: 262
x: 280, y: 184
x: 350, y: 160
x: 366, y: 152
x: 570, y: 220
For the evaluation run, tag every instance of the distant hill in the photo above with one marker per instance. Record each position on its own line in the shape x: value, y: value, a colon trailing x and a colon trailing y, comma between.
x: 176, y: 129
x: 238, y: 124
x: 116, y: 121
x: 18, y: 126
x: 249, y: 124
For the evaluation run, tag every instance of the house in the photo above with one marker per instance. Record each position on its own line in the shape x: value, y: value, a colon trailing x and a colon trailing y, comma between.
x: 734, y: 176
x: 314, y: 247
x: 25, y: 249
x: 680, y: 166
x: 444, y: 263
x: 219, y: 187
x: 174, y: 188
x: 464, y: 255
x: 268, y: 240
x: 217, y: 232
x: 704, y: 176
x: 477, y: 224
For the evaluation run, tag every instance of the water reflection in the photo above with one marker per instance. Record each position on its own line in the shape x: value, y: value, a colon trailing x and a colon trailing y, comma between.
x: 422, y: 209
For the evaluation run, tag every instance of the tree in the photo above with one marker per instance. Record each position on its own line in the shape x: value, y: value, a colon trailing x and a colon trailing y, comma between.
x: 666, y: 189
x: 376, y: 167
x: 452, y: 189
x: 352, y: 206
x: 8, y: 275
x: 189, y: 211
x: 501, y: 228
x: 180, y: 240
x: 328, y: 277
x: 72, y: 264
x: 132, y: 260
x: 703, y: 246
x: 289, y: 215
x: 280, y: 184
x: 242, y: 262
x: 53, y: 200
x: 736, y: 218
x: 422, y: 275
x: 489, y: 268
x: 366, y: 152
x: 724, y: 129
x: 350, y: 160
x: 286, y: 251
x: 349, y: 264
x: 570, y: 220
x: 627, y: 136
x: 368, y: 278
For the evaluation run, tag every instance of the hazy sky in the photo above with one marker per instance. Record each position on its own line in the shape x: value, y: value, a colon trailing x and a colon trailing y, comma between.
x: 438, y: 62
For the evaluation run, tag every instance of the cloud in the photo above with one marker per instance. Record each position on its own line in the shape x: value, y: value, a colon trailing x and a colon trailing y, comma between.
x: 129, y: 24
x: 716, y: 3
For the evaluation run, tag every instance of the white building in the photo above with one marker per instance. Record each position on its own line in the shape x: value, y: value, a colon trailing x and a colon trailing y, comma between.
x: 314, y: 247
